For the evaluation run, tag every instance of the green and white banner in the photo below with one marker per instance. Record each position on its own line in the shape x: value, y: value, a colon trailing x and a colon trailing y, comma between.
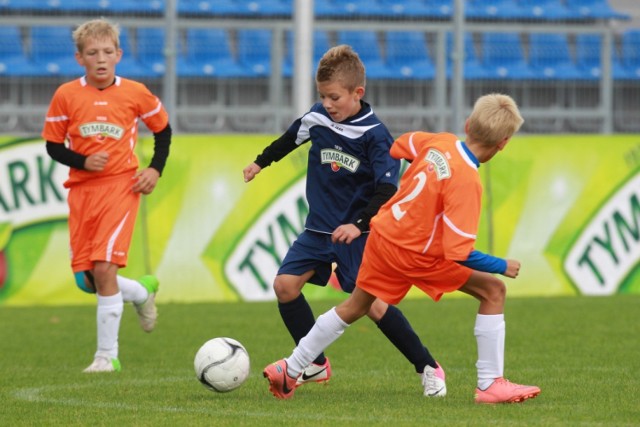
x: 567, y: 207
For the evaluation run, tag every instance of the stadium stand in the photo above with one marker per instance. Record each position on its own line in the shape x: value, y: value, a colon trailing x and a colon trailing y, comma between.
x: 366, y: 44
x: 200, y: 8
x: 630, y: 53
x: 550, y: 58
x: 225, y: 59
x: 595, y: 9
x: 407, y: 55
x: 13, y: 58
x: 207, y: 53
x: 265, y: 8
x: 547, y: 10
x: 361, y: 8
x: 52, y: 51
x: 503, y: 56
x: 588, y: 49
x: 494, y: 9
x: 129, y: 65
x: 320, y: 45
x: 473, y: 69
x: 151, y: 49
x: 254, y: 51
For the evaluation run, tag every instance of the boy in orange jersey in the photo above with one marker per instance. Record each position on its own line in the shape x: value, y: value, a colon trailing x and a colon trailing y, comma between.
x: 97, y: 115
x: 424, y: 236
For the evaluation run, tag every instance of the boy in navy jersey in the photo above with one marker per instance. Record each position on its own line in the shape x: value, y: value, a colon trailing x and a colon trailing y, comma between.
x: 350, y: 174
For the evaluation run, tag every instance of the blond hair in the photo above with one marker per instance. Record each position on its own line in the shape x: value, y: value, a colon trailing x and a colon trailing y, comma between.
x: 97, y: 29
x: 494, y: 117
x: 342, y: 64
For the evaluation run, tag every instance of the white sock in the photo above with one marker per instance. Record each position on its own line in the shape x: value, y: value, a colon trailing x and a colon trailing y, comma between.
x: 490, y: 333
x: 328, y: 328
x: 108, y: 319
x: 132, y: 290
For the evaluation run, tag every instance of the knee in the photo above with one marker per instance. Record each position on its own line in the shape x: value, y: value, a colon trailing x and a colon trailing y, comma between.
x: 377, y: 310
x: 284, y: 291
x: 84, y: 282
x: 497, y: 291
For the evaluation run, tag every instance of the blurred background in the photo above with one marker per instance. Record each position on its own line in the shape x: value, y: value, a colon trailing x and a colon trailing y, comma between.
x: 229, y: 66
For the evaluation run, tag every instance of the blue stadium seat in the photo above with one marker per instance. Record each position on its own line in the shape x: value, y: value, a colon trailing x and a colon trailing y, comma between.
x: 550, y: 57
x: 145, y: 7
x: 494, y: 9
x: 362, y: 8
x: 365, y: 43
x: 439, y: 8
x: 265, y: 7
x: 473, y: 69
x: 595, y: 9
x: 28, y: 5
x: 503, y: 56
x: 549, y: 10
x: 129, y: 65
x: 320, y: 46
x: 208, y: 7
x: 150, y: 44
x: 408, y: 55
x: 630, y: 53
x: 13, y: 59
x: 414, y: 9
x: 53, y: 52
x: 208, y: 54
x: 589, y: 54
x: 329, y: 8
x: 108, y: 6
x: 254, y: 51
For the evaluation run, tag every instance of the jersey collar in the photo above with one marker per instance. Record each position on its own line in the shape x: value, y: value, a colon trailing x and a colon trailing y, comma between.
x: 469, y: 154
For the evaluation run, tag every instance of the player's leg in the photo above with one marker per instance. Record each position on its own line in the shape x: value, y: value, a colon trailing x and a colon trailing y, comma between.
x: 329, y: 327
x: 108, y: 316
x: 116, y: 206
x: 489, y: 330
x: 282, y: 375
x: 395, y: 326
x: 389, y: 319
x: 298, y: 317
x: 301, y: 265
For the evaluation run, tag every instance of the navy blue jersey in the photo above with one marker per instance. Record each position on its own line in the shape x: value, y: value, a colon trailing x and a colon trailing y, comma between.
x: 347, y: 160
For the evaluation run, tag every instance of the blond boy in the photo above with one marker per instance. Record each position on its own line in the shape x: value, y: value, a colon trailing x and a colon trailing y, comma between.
x: 92, y: 127
x: 424, y: 236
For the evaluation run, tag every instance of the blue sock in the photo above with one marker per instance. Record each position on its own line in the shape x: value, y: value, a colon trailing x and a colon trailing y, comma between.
x: 298, y: 318
x: 397, y: 329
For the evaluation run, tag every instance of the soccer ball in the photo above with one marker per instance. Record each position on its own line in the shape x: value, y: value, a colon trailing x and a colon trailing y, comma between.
x: 222, y: 364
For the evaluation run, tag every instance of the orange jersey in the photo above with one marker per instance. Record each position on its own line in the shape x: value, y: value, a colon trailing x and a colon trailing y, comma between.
x: 436, y: 210
x: 95, y: 120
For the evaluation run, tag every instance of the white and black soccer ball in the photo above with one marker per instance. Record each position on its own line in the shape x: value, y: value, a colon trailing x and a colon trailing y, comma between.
x: 222, y: 364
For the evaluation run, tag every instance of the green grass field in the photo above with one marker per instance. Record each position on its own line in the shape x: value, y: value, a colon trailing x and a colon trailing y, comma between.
x: 583, y: 352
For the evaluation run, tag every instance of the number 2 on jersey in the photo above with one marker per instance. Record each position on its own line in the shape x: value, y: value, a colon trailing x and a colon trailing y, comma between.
x: 398, y: 212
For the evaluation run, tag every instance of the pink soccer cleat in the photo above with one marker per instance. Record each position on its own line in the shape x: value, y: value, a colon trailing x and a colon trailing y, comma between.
x: 503, y: 391
x: 281, y: 385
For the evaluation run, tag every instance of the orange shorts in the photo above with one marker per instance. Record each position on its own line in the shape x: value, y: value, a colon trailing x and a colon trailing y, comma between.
x: 102, y: 216
x: 388, y: 272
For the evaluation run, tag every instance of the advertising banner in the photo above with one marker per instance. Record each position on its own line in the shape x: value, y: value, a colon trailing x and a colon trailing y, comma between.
x: 567, y: 207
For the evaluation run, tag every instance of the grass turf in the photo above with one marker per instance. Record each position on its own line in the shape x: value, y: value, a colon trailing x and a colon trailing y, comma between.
x: 584, y: 353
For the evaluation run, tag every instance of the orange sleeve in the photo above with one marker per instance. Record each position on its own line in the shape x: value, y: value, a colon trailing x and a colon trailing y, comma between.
x: 57, y: 119
x: 408, y: 145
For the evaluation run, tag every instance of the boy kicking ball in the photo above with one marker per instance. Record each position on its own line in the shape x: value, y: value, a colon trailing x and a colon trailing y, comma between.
x: 424, y: 236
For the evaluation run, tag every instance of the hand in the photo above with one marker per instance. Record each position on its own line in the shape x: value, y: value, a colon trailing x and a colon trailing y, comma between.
x: 146, y: 180
x: 251, y: 171
x: 346, y: 233
x: 513, y: 268
x: 96, y: 162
